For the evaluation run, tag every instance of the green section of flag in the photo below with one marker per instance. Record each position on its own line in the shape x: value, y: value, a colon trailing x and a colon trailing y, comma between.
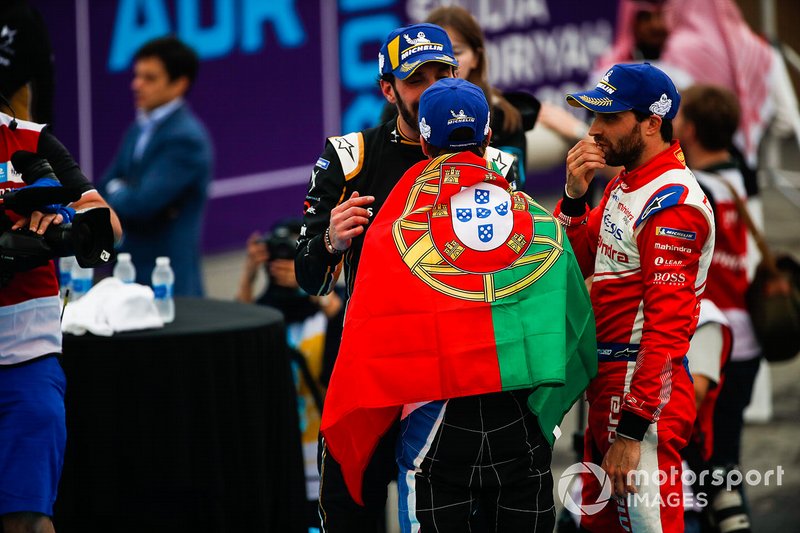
x: 545, y: 334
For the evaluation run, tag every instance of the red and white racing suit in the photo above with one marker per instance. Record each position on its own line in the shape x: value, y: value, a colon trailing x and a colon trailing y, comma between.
x: 29, y: 305
x: 649, y: 245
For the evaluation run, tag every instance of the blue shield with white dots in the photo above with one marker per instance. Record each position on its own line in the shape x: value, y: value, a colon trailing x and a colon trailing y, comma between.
x: 482, y: 212
x: 501, y: 209
x: 485, y: 232
x: 464, y: 215
x: 481, y: 196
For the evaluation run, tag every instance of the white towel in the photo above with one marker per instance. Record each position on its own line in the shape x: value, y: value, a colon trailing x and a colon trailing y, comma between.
x: 112, y: 306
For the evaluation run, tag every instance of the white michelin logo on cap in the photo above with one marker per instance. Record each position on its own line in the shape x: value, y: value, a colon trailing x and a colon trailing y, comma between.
x: 421, y: 39
x: 459, y: 117
x: 662, y: 106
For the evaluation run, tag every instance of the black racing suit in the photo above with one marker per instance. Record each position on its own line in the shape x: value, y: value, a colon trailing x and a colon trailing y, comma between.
x: 370, y: 162
x: 373, y: 161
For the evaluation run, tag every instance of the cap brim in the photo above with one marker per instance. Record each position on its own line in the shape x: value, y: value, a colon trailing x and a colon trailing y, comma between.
x: 409, y: 67
x: 597, y: 101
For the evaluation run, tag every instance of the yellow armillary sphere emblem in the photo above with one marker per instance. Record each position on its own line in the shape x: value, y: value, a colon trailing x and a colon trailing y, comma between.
x: 467, y: 234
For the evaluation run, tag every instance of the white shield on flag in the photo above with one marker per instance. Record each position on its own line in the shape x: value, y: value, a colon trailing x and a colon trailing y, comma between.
x: 481, y: 218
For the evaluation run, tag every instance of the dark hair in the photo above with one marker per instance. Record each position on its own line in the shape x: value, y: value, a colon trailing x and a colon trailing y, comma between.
x: 462, y: 134
x: 715, y: 113
x: 666, y: 124
x: 179, y: 59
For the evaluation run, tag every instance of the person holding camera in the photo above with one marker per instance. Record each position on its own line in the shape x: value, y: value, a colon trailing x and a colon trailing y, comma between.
x: 274, y: 252
x: 32, y: 418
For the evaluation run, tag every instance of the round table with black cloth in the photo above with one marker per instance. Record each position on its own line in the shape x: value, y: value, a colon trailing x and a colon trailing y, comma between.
x: 193, y: 427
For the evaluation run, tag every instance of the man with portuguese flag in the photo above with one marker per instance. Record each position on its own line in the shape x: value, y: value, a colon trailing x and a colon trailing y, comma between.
x: 470, y: 321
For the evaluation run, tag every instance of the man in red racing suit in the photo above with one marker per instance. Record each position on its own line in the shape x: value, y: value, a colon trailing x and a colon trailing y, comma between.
x: 648, y: 245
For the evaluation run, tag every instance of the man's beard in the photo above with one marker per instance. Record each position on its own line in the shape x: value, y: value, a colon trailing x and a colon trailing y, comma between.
x: 628, y: 150
x: 409, y: 115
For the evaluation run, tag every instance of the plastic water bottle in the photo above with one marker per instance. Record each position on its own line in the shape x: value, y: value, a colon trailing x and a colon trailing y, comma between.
x: 124, y: 269
x: 82, y: 279
x: 65, y: 274
x: 163, y: 280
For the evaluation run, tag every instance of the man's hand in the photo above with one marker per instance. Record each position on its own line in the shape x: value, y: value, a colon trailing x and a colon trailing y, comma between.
x: 348, y: 220
x: 622, y: 458
x: 38, y: 221
x: 582, y: 161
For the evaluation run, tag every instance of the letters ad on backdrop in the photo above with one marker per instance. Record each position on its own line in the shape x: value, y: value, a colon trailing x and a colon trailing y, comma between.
x: 279, y: 76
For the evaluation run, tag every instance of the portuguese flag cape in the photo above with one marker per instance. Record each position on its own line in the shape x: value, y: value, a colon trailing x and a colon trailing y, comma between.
x: 464, y: 287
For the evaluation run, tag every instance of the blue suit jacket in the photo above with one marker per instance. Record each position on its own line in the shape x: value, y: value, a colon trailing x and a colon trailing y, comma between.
x: 163, y: 200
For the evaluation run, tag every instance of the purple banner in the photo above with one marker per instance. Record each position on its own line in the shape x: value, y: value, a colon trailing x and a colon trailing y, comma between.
x: 278, y: 76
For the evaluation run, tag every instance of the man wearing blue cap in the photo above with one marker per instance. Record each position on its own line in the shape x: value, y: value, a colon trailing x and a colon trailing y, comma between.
x: 648, y: 245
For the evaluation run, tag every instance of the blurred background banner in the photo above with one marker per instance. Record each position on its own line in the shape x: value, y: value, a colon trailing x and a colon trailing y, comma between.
x: 278, y: 76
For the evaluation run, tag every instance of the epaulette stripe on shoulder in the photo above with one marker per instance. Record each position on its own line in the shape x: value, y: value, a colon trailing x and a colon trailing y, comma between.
x: 350, y: 151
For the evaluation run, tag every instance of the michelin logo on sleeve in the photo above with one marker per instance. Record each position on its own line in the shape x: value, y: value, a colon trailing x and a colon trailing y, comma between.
x: 677, y: 233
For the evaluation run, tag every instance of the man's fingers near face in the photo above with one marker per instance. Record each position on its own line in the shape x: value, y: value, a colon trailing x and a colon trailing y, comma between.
x: 589, y: 165
x: 581, y: 156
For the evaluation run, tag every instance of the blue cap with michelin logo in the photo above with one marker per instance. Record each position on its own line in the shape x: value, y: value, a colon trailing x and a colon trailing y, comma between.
x: 409, y: 47
x: 640, y: 87
x: 449, y: 104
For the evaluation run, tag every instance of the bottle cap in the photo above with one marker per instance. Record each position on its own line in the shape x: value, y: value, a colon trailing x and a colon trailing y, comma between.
x: 123, y: 256
x: 161, y: 261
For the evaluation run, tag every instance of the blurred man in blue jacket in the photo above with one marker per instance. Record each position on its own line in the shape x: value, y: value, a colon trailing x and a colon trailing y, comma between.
x: 158, y: 181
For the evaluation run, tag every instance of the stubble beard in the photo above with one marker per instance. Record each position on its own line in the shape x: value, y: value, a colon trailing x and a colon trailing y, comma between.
x: 628, y: 150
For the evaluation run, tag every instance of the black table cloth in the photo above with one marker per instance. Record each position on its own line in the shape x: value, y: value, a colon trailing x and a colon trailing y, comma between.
x: 192, y: 427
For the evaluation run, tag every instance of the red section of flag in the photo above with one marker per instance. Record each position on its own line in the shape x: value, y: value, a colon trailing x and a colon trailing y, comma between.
x: 416, y: 329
